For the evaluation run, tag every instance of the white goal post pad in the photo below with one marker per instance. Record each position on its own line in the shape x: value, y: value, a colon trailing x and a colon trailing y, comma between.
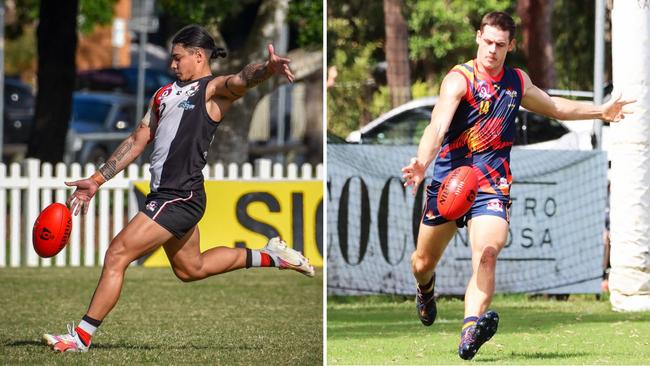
x: 555, y: 240
x: 629, y: 280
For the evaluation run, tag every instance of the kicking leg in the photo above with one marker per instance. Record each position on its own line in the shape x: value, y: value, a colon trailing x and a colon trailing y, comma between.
x: 487, y: 235
x: 189, y: 264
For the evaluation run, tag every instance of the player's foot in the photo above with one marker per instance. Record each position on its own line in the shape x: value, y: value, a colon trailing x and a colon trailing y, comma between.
x: 426, y: 306
x: 288, y: 257
x: 472, y: 338
x: 65, y: 342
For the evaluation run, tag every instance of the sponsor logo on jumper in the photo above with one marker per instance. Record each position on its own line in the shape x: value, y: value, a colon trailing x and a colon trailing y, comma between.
x: 186, y: 105
x: 192, y: 90
x: 511, y: 93
x: 503, y: 183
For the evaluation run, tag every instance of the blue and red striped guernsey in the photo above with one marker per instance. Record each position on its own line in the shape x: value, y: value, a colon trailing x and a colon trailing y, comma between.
x: 482, y: 130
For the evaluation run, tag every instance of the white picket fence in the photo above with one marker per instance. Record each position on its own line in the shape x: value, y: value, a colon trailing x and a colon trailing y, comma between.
x: 29, y: 187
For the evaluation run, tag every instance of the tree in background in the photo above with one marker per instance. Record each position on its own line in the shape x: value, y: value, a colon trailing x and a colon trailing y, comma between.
x: 573, y: 43
x: 441, y: 33
x: 537, y: 43
x: 57, y: 42
x: 56, y: 45
x: 396, y: 50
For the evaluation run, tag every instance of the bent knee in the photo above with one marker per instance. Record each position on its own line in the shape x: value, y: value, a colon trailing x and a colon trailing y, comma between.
x: 116, y: 255
x: 186, y: 275
x: 421, y: 262
x: 489, y: 256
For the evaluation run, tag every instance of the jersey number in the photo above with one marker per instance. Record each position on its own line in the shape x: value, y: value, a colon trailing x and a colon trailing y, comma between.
x: 484, y: 107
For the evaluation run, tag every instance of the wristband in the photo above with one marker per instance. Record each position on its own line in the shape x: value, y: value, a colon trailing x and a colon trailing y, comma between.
x: 98, y: 178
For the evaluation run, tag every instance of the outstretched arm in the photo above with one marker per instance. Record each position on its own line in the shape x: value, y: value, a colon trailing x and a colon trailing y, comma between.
x: 538, y: 101
x: 124, y: 155
x: 451, y: 92
x: 232, y: 87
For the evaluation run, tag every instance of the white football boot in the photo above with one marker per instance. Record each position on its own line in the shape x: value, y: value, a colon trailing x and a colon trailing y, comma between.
x: 288, y: 257
x: 65, y: 342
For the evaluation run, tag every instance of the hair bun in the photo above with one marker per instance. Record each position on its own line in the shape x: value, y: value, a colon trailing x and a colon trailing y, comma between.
x: 219, y: 52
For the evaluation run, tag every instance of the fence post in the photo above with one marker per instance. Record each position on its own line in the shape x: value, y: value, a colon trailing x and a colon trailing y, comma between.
x: 3, y: 218
x: 61, y: 197
x: 75, y: 239
x: 46, y: 200
x: 89, y: 225
x: 33, y: 170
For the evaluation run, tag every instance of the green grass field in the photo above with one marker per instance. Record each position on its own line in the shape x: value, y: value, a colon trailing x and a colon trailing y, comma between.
x: 247, y: 317
x: 385, y: 330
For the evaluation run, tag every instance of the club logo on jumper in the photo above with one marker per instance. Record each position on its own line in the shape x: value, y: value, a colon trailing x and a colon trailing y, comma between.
x: 165, y: 93
x: 151, y: 206
x: 186, y: 105
x: 483, y: 91
x: 511, y: 93
x: 46, y: 234
x: 495, y: 205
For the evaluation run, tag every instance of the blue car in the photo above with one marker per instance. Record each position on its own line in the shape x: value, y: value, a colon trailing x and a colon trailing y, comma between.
x: 100, y: 121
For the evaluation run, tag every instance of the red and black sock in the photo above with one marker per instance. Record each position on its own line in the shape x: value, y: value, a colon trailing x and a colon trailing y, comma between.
x: 86, y: 328
x: 257, y: 258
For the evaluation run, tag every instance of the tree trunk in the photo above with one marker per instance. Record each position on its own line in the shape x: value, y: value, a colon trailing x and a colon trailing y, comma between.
x: 398, y: 74
x: 537, y: 44
x: 57, y: 43
x: 231, y: 140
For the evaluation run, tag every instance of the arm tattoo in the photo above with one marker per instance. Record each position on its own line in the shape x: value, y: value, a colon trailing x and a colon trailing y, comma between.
x: 109, y: 169
x: 254, y: 74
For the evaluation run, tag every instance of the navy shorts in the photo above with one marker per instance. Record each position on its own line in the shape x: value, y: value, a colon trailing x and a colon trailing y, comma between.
x: 176, y: 211
x: 485, y: 204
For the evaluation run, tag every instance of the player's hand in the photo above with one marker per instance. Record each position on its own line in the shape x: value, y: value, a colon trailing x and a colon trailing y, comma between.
x: 604, y: 286
x: 413, y: 174
x: 279, y: 65
x: 79, y: 200
x: 614, y: 111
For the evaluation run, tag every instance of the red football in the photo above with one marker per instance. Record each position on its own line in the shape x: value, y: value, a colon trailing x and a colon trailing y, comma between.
x: 52, y: 230
x: 457, y: 193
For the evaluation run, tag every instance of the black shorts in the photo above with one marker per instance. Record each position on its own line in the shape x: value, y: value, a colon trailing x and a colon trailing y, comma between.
x: 176, y: 211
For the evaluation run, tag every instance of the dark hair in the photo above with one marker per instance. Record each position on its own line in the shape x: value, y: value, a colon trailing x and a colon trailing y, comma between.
x: 500, y: 20
x: 195, y: 36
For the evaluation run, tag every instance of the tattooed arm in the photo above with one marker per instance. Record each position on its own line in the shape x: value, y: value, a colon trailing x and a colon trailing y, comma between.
x: 232, y: 87
x: 128, y: 150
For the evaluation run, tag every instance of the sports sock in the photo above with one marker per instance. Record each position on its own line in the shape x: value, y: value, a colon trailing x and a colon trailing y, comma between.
x: 428, y: 287
x: 86, y: 328
x: 468, y: 322
x: 258, y: 258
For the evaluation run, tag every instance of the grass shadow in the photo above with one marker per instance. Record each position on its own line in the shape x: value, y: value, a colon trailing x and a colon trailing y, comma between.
x: 529, y: 356
x: 130, y: 346
x: 22, y: 343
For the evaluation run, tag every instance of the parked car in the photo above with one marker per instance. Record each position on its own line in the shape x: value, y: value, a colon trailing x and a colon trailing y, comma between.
x: 404, y: 126
x: 18, y: 111
x: 99, y: 122
x: 123, y: 80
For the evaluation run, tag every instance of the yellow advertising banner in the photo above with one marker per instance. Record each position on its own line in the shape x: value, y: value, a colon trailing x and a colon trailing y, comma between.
x: 247, y: 213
